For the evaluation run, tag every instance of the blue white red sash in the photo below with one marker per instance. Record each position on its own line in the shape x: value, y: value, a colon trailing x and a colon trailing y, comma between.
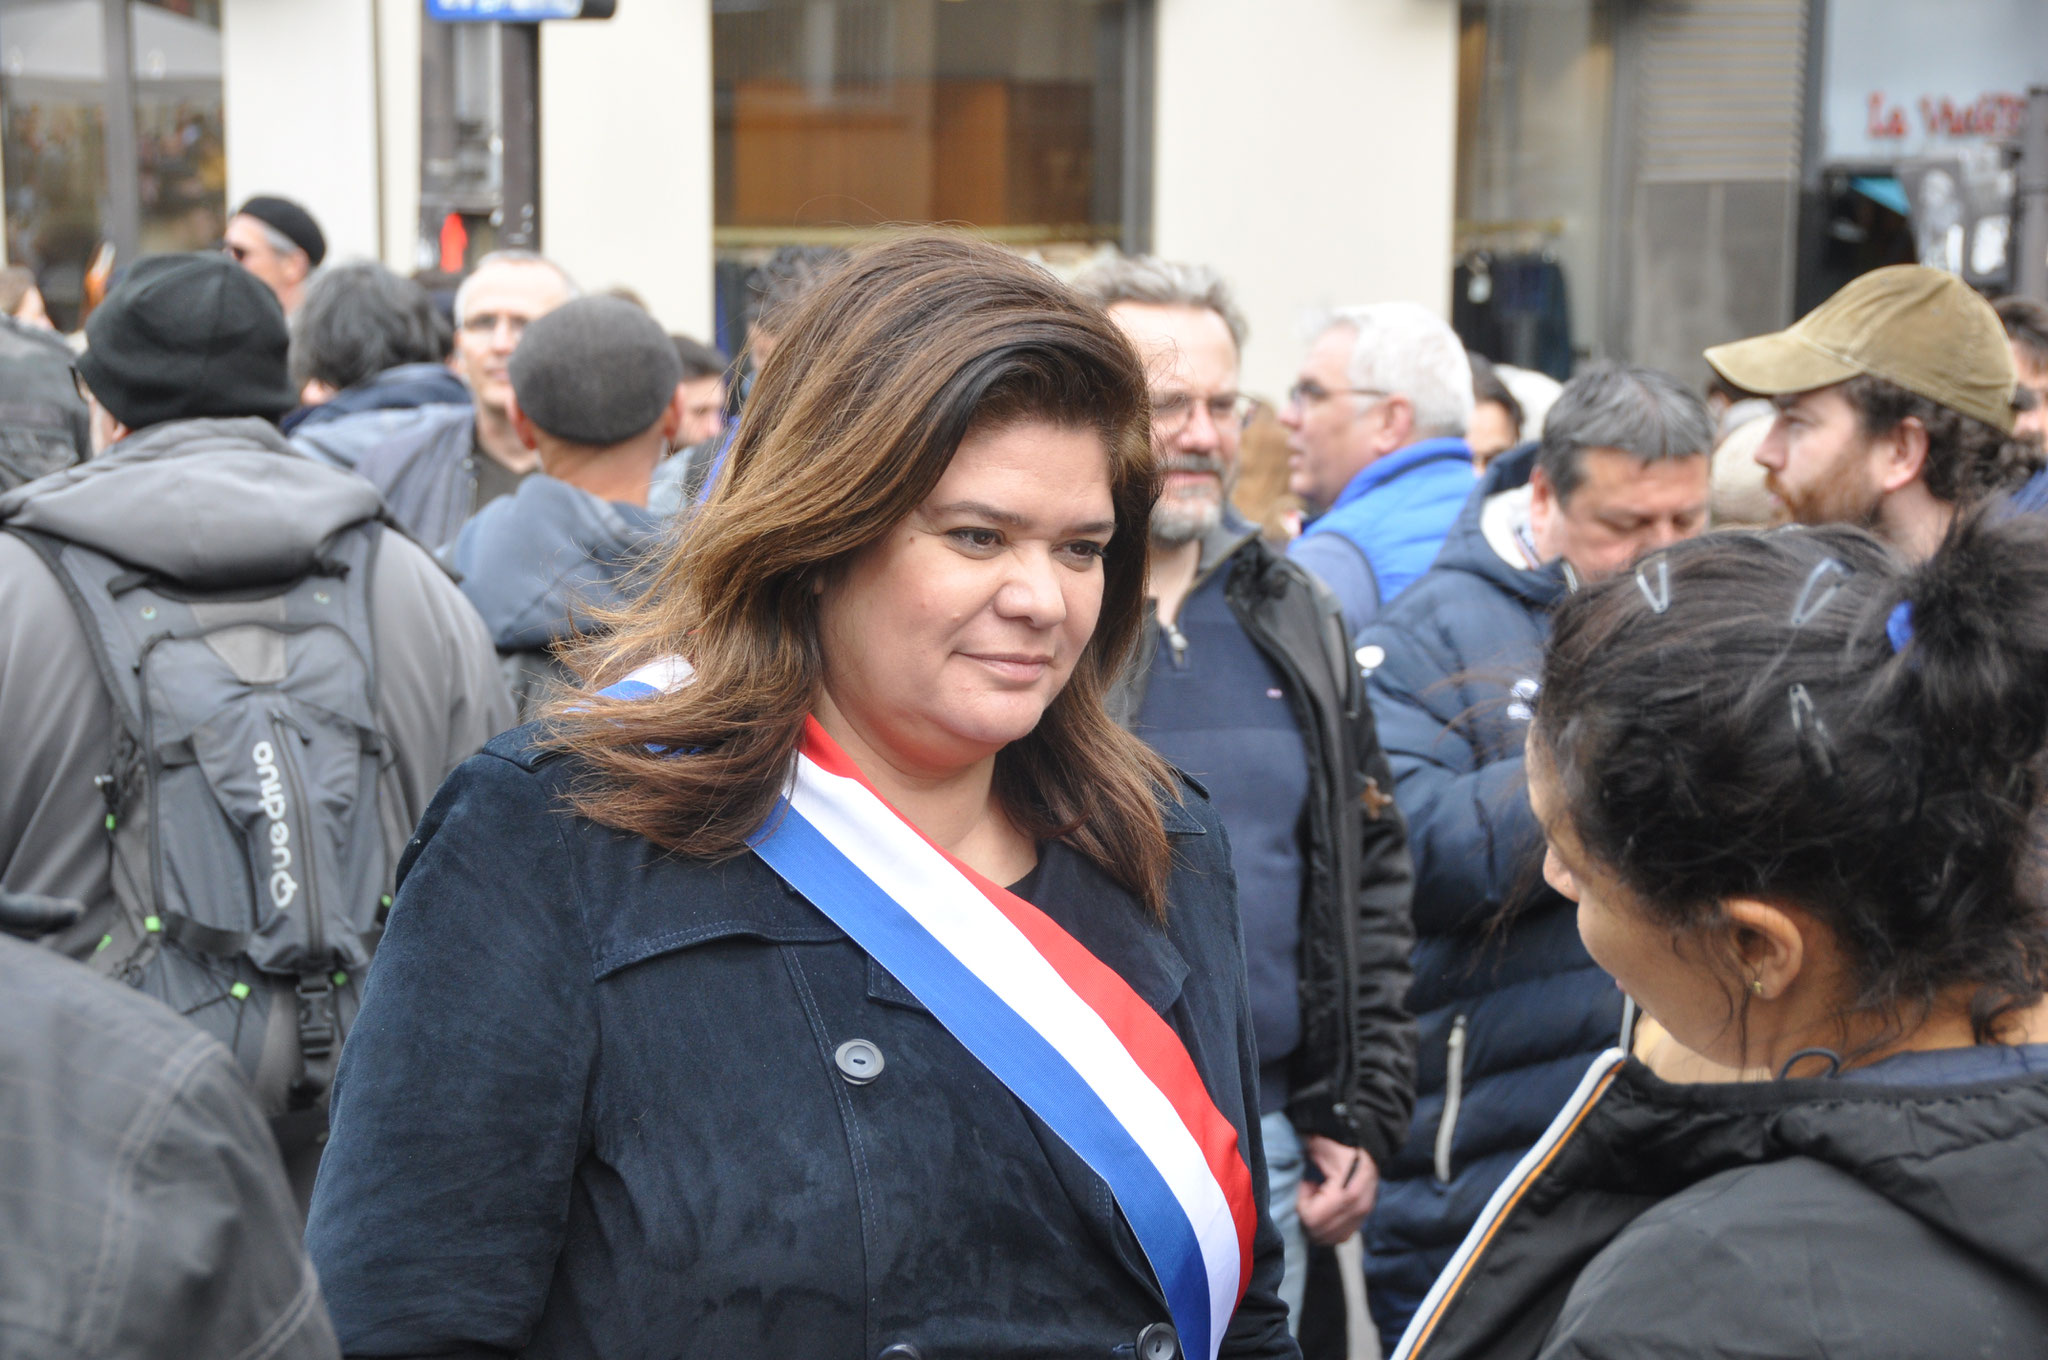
x: 1063, y: 1031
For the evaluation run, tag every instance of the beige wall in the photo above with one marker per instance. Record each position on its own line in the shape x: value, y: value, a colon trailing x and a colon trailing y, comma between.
x: 300, y: 107
x: 1305, y: 148
x: 625, y: 136
x: 625, y: 155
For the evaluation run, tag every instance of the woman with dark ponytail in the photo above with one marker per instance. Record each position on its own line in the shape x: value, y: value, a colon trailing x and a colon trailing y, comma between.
x: 1795, y: 787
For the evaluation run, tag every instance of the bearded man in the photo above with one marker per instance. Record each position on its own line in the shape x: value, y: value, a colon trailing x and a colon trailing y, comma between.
x: 1896, y: 406
x: 1246, y: 682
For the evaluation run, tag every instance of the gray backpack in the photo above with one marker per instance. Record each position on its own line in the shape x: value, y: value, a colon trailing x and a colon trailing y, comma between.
x: 241, y: 802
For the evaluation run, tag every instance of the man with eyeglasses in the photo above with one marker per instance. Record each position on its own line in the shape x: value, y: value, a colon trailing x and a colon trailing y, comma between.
x: 1376, y: 431
x: 447, y: 464
x: 1246, y: 682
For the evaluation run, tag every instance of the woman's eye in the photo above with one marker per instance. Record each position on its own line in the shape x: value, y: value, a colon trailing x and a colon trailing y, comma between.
x: 1087, y: 548
x: 976, y: 538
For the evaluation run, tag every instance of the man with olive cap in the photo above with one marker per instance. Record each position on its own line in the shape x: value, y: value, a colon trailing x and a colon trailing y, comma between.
x: 1895, y: 402
x: 279, y: 242
x: 595, y: 395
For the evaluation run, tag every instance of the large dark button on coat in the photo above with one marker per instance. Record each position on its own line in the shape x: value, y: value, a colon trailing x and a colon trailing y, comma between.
x: 860, y: 1062
x: 902, y: 1350
x: 1159, y: 1342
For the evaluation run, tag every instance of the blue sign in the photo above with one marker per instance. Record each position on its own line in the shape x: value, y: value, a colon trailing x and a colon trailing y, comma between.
x: 517, y: 11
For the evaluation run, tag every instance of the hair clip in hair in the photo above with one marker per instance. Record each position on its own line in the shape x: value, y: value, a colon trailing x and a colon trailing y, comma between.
x: 1810, y: 734
x: 1821, y: 584
x: 1659, y: 596
x: 1898, y: 626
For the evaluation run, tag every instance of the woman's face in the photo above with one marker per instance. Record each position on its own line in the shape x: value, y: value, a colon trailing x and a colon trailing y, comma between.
x: 947, y: 639
x: 1675, y: 987
x: 1491, y: 433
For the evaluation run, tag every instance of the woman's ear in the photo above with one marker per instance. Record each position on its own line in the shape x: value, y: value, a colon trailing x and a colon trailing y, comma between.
x: 1770, y: 946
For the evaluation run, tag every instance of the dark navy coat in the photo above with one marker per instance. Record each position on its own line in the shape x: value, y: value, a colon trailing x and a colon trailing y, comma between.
x: 591, y: 1107
x: 538, y: 563
x: 1453, y: 666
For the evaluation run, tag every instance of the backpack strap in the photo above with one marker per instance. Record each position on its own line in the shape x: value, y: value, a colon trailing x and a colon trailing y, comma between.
x: 51, y: 551
x: 128, y: 762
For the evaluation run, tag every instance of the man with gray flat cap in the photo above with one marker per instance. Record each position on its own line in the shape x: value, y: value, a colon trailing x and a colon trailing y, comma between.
x: 1896, y: 406
x: 594, y: 388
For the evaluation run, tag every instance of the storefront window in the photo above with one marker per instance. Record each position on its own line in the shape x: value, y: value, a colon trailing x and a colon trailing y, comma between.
x: 832, y: 116
x: 82, y: 191
x: 181, y: 153
x: 1535, y: 88
x: 1920, y: 107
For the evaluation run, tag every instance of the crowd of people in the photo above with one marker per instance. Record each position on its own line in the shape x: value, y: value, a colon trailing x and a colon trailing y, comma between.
x: 913, y: 845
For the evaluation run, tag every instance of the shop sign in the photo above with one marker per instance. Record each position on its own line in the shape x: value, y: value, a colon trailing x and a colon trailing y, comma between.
x: 517, y: 11
x: 1905, y: 78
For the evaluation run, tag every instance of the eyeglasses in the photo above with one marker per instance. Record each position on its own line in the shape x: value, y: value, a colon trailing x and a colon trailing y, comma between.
x: 1309, y: 392
x: 1171, y: 411
x: 487, y: 323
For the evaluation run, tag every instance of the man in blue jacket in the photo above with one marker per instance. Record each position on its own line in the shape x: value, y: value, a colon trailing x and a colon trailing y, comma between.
x: 1376, y: 434
x: 1510, y: 1009
x: 442, y: 463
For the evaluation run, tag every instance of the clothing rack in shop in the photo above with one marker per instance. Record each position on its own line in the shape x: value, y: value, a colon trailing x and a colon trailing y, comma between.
x: 1470, y: 235
x: 1508, y: 293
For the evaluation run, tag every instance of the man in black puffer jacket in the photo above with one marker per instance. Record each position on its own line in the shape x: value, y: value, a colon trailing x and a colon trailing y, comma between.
x: 1510, y: 1012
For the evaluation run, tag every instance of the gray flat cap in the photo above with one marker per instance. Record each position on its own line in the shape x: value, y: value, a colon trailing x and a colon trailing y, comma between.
x: 595, y: 371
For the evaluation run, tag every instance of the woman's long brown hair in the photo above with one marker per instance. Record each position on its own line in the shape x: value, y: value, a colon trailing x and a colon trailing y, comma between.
x: 855, y: 417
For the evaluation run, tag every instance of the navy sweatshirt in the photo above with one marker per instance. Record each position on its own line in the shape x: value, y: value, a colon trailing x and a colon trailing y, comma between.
x: 1214, y: 706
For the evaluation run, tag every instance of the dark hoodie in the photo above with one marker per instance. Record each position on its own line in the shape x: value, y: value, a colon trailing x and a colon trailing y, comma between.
x: 1508, y: 1017
x: 1857, y: 1220
x: 535, y: 564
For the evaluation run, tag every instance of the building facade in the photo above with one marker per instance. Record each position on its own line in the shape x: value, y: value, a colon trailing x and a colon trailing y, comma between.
x: 1565, y: 179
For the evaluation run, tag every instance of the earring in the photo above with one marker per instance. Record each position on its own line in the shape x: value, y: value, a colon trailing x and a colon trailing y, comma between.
x: 1756, y: 986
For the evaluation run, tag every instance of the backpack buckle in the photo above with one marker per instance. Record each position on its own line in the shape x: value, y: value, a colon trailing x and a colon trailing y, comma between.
x: 318, y: 1023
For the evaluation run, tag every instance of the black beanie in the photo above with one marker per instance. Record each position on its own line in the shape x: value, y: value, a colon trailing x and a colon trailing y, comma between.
x: 298, y: 226
x: 184, y: 336
x: 595, y: 371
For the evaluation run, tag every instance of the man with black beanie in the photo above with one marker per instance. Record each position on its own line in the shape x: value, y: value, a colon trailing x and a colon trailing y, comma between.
x: 279, y: 242
x: 595, y: 394
x: 196, y: 509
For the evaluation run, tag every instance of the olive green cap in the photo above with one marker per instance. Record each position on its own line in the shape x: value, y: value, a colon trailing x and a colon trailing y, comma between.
x: 1922, y: 329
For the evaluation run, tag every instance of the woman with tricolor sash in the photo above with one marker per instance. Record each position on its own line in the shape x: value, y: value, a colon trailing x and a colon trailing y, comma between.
x: 832, y: 977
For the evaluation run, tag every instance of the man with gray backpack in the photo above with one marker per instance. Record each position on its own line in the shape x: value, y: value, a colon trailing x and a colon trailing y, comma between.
x: 227, y: 688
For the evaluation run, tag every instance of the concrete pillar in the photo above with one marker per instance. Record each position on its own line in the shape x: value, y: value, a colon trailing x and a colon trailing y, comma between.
x: 625, y: 155
x: 1306, y: 149
x: 299, y: 102
x: 398, y: 129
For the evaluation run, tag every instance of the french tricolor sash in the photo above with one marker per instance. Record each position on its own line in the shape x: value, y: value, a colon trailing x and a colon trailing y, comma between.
x: 1062, y: 1030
